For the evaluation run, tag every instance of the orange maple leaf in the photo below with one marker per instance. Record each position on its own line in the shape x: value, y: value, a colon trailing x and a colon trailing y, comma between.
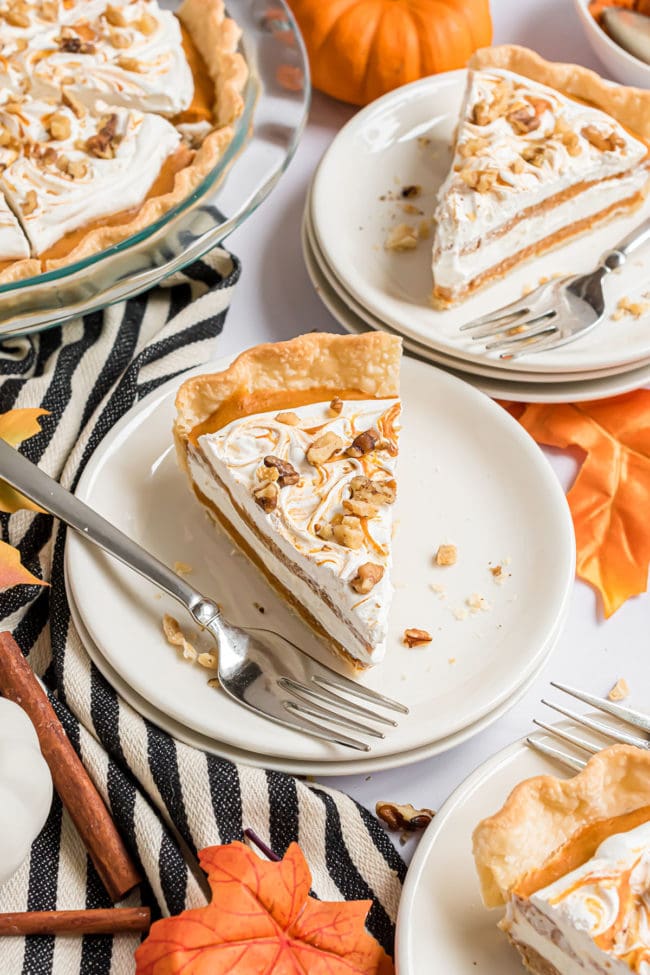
x: 261, y: 920
x: 16, y: 426
x: 12, y: 572
x: 610, y: 497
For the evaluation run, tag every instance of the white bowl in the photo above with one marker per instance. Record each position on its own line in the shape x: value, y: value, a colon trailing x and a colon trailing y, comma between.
x: 620, y: 65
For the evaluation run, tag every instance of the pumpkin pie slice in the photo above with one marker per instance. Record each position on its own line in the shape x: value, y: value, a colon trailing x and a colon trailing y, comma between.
x: 570, y: 859
x: 544, y: 152
x: 293, y: 450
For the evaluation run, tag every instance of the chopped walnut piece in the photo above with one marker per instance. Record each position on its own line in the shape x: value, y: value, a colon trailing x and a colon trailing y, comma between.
x: 209, y: 660
x: 72, y: 102
x: 367, y: 577
x: 176, y: 638
x: 49, y: 10
x: 446, y: 555
x: 289, y: 419
x: 30, y: 204
x: 146, y: 24
x: 403, y: 817
x: 362, y: 509
x: 410, y: 192
x: 324, y: 530
x: 104, y: 144
x: 375, y: 492
x: 416, y: 638
x: 335, y: 407
x: 267, y: 496
x: 534, y: 154
x: 70, y: 42
x: 59, y: 127
x: 484, y: 113
x: 523, y: 120
x: 349, y: 532
x: 481, y: 180
x: 612, y: 140
x: 77, y: 168
x: 363, y: 443
x: 324, y: 448
x: 115, y: 16
x: 518, y: 165
x: 619, y: 691
x: 402, y: 238
x: 473, y: 147
x: 130, y: 64
x: 287, y: 473
x: 119, y: 39
x: 17, y: 16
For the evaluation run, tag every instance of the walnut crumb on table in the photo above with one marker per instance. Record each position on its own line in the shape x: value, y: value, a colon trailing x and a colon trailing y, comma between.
x: 446, y: 555
x: 403, y: 816
x: 416, y: 638
x: 619, y: 691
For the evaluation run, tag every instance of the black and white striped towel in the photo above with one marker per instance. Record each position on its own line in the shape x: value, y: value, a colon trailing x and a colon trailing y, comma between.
x: 88, y: 373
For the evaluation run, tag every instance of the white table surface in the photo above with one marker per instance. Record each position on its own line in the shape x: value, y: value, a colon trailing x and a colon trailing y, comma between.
x: 275, y: 300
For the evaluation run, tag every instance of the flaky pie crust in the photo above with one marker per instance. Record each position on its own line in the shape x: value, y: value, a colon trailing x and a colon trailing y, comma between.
x: 542, y: 813
x: 369, y: 363
x: 629, y: 106
x: 216, y: 37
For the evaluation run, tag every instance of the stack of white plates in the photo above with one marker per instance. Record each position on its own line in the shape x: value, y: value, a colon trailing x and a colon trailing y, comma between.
x: 356, y: 199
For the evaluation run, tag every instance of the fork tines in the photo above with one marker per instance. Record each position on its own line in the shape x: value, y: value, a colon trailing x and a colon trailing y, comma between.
x: 608, y: 730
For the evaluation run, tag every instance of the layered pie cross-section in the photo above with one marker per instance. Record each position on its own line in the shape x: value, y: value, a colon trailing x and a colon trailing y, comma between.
x: 110, y: 115
x: 571, y: 861
x: 543, y: 152
x: 293, y: 450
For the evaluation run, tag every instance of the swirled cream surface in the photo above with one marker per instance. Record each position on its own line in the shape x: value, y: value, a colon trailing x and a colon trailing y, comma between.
x: 596, y: 918
x: 299, y: 547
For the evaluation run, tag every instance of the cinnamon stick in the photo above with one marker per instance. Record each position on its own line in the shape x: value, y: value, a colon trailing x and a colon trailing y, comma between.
x: 115, y: 920
x: 78, y: 794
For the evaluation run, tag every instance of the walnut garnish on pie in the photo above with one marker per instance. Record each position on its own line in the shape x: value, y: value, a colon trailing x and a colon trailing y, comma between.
x: 305, y: 489
x: 570, y: 859
x: 544, y: 152
x: 110, y: 114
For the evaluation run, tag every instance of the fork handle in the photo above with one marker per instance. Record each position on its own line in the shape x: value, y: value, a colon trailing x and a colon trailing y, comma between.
x: 618, y: 256
x: 43, y: 490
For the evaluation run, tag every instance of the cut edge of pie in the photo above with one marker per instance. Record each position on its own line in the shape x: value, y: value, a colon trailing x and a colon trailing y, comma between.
x: 546, y: 817
x: 628, y: 107
x: 216, y: 37
x: 268, y: 382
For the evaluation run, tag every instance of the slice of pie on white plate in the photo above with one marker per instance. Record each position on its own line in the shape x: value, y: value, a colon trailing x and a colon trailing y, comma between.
x: 543, y: 153
x: 293, y: 451
x: 570, y: 859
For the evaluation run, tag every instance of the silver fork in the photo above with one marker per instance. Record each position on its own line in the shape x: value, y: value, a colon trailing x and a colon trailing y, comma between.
x: 605, y: 729
x: 558, y: 312
x: 257, y: 667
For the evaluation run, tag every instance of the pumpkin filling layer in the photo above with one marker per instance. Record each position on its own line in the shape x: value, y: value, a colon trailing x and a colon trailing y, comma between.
x: 306, y: 484
x: 587, y: 909
x: 531, y: 169
x: 104, y: 107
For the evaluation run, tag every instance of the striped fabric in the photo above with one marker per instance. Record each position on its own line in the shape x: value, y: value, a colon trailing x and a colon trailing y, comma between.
x: 168, y: 799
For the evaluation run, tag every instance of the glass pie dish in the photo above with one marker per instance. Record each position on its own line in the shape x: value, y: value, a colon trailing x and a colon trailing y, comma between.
x: 266, y: 137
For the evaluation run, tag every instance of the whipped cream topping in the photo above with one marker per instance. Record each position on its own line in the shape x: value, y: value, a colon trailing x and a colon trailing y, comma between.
x: 600, y: 912
x: 519, y: 144
x: 125, y: 53
x: 13, y: 243
x: 311, y: 564
x: 56, y: 185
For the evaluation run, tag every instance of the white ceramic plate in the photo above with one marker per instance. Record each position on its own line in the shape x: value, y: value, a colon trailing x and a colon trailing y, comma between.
x: 292, y: 767
x: 488, y: 369
x: 469, y: 474
x: 379, y: 151
x: 444, y: 920
x: 523, y: 392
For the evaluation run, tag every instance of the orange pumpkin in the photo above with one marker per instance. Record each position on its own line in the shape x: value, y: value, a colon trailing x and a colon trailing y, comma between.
x: 360, y: 49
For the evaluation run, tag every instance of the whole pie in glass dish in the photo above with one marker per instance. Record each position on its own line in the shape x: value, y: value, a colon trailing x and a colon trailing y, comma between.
x: 110, y: 115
